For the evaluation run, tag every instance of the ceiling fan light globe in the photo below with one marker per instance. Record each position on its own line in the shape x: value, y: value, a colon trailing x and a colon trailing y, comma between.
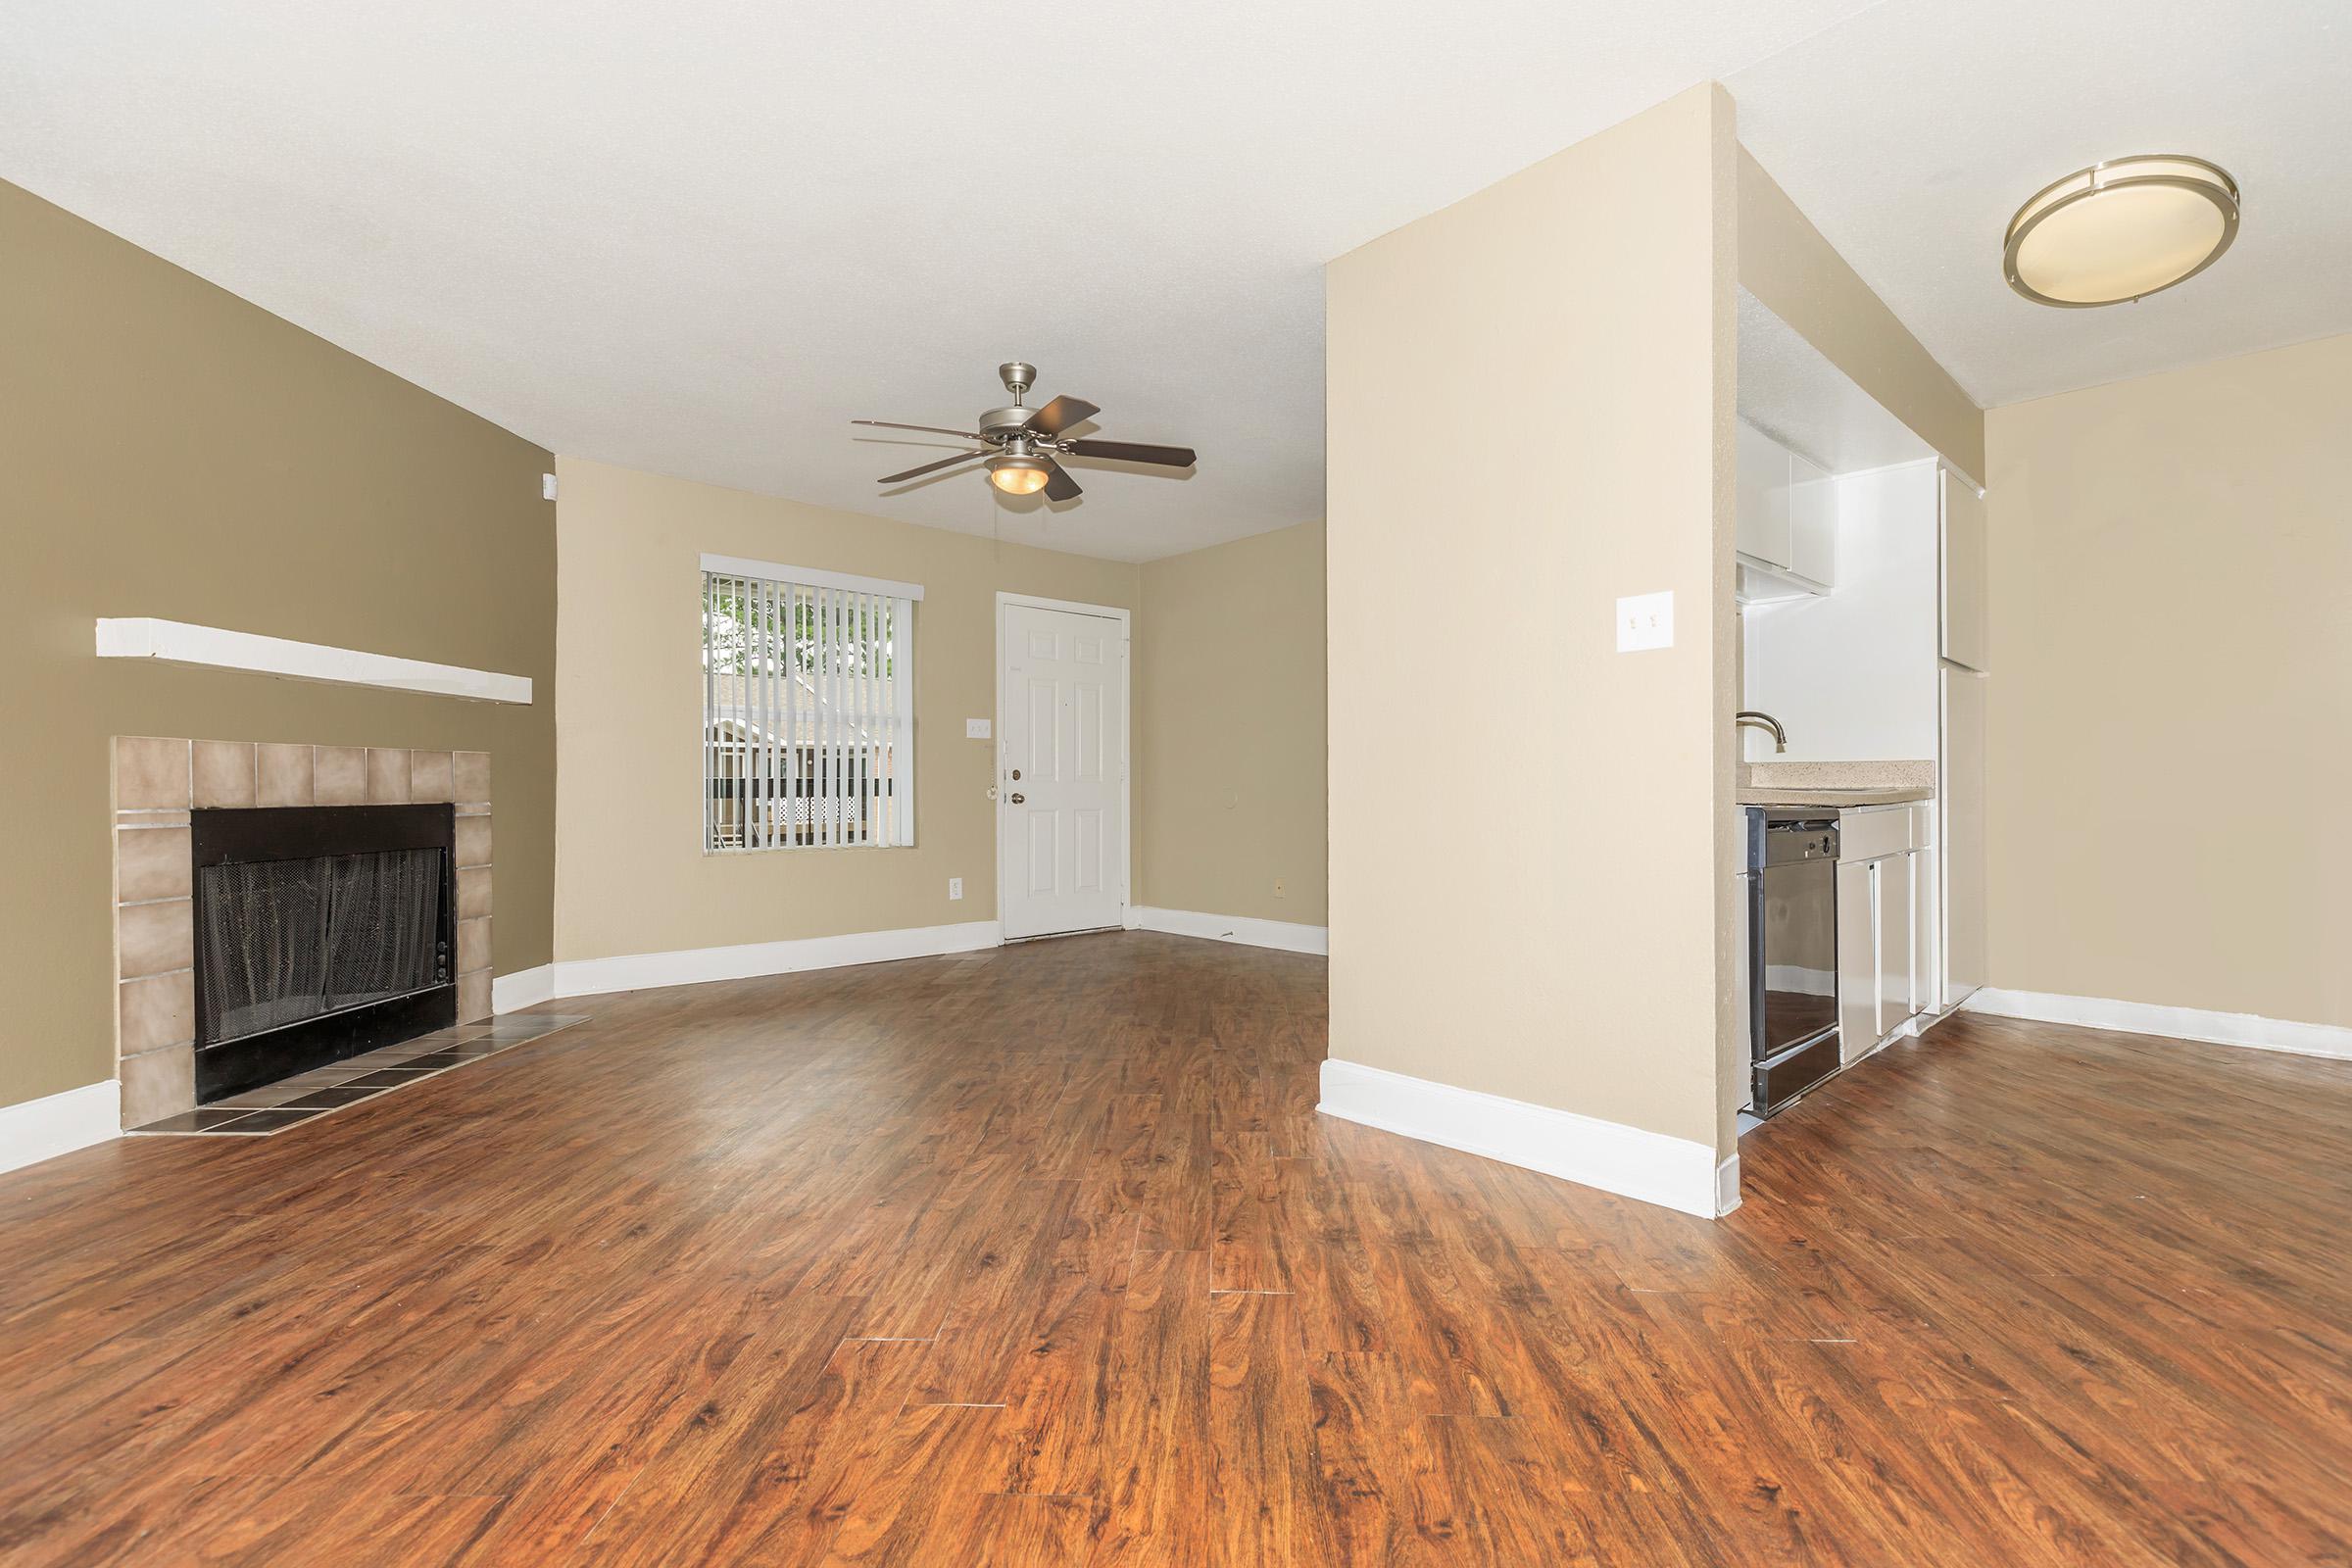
x: 1017, y: 476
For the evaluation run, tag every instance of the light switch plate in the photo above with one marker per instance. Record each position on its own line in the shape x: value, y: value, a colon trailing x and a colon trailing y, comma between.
x: 955, y: 887
x: 976, y: 729
x: 1645, y: 621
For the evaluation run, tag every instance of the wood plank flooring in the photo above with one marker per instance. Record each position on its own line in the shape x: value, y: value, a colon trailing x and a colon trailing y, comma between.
x: 1042, y: 1256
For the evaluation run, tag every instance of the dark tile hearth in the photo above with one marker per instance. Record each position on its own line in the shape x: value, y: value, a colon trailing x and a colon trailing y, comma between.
x: 256, y: 1122
x: 345, y: 1094
x: 274, y: 1107
x: 205, y: 1120
x: 440, y: 1061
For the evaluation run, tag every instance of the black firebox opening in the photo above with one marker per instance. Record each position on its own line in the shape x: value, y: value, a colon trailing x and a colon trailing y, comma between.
x: 322, y: 932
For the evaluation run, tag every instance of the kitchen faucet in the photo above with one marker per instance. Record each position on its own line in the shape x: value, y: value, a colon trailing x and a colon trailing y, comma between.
x: 1750, y: 718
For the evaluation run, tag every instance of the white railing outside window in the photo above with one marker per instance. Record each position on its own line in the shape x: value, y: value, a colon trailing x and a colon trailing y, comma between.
x: 808, y: 709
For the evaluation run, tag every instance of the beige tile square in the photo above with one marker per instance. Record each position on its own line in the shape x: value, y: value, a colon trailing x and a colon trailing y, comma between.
x: 473, y: 841
x: 157, y: 938
x: 157, y: 1083
x: 473, y: 893
x: 473, y: 945
x: 387, y: 776
x: 151, y: 862
x: 431, y: 776
x: 474, y: 997
x: 283, y: 775
x: 338, y: 775
x: 223, y: 772
x: 150, y: 774
x: 471, y: 775
x: 157, y: 1011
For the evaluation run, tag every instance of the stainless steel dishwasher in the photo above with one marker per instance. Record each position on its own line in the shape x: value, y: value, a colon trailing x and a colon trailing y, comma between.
x: 1792, y: 953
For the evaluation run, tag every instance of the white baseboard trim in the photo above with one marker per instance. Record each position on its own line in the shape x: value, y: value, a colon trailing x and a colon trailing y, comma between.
x: 2178, y: 1023
x: 524, y: 988
x: 1283, y: 935
x: 59, y: 1124
x: 641, y: 971
x: 1673, y: 1172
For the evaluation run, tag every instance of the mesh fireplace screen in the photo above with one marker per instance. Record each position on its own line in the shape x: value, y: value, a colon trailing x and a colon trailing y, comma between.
x: 288, y: 940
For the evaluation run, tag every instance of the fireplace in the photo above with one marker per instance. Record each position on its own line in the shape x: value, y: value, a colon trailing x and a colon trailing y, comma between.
x: 346, y: 903
x: 322, y: 932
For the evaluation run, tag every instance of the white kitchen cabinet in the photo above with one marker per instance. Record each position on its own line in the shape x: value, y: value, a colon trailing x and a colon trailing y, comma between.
x: 1880, y: 987
x: 1763, y: 528
x: 1965, y: 564
x: 1895, y: 903
x: 1812, y: 522
x: 1787, y: 529
x: 1857, y: 962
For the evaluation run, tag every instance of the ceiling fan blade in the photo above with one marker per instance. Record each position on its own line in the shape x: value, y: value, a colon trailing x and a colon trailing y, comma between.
x: 1134, y: 452
x: 1060, y: 487
x: 1059, y: 414
x: 892, y: 425
x: 944, y: 463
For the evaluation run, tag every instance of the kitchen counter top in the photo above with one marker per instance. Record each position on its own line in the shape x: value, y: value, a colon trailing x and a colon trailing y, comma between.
x: 1833, y: 784
x: 1783, y: 794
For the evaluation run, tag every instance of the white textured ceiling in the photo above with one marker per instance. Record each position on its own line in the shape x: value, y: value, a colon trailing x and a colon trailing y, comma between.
x: 1910, y: 135
x: 700, y: 238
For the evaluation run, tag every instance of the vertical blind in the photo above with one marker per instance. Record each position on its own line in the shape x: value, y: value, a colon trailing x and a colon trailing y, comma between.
x: 808, y: 709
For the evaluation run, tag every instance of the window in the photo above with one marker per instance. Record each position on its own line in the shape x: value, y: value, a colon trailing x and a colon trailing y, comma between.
x: 808, y: 709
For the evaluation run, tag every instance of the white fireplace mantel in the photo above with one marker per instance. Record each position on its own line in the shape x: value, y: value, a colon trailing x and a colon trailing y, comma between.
x: 175, y: 642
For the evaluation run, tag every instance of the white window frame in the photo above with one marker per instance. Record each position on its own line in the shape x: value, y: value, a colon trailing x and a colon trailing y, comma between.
x: 903, y: 717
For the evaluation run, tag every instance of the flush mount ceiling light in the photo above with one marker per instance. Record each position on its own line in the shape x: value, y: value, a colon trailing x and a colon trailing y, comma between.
x: 2121, y: 230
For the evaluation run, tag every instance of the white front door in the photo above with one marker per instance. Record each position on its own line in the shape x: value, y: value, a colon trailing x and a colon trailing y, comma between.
x: 1061, y: 775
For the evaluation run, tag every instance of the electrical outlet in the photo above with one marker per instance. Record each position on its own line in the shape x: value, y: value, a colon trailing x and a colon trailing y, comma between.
x: 955, y: 887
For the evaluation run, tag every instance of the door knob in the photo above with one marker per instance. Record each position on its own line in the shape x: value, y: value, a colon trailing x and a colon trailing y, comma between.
x: 1018, y: 798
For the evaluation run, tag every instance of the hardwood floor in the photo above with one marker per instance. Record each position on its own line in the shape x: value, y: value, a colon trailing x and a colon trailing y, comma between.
x: 1042, y: 1256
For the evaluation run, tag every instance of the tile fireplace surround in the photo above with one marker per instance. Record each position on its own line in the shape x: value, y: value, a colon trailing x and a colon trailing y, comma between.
x: 157, y: 783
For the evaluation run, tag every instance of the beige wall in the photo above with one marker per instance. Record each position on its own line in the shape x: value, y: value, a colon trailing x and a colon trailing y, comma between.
x: 2169, y: 734
x: 1787, y: 264
x: 170, y: 450
x: 1531, y: 412
x: 631, y: 876
x: 1229, y: 728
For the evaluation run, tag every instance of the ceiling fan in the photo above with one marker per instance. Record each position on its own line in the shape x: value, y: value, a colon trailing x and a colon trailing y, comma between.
x: 1018, y: 445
